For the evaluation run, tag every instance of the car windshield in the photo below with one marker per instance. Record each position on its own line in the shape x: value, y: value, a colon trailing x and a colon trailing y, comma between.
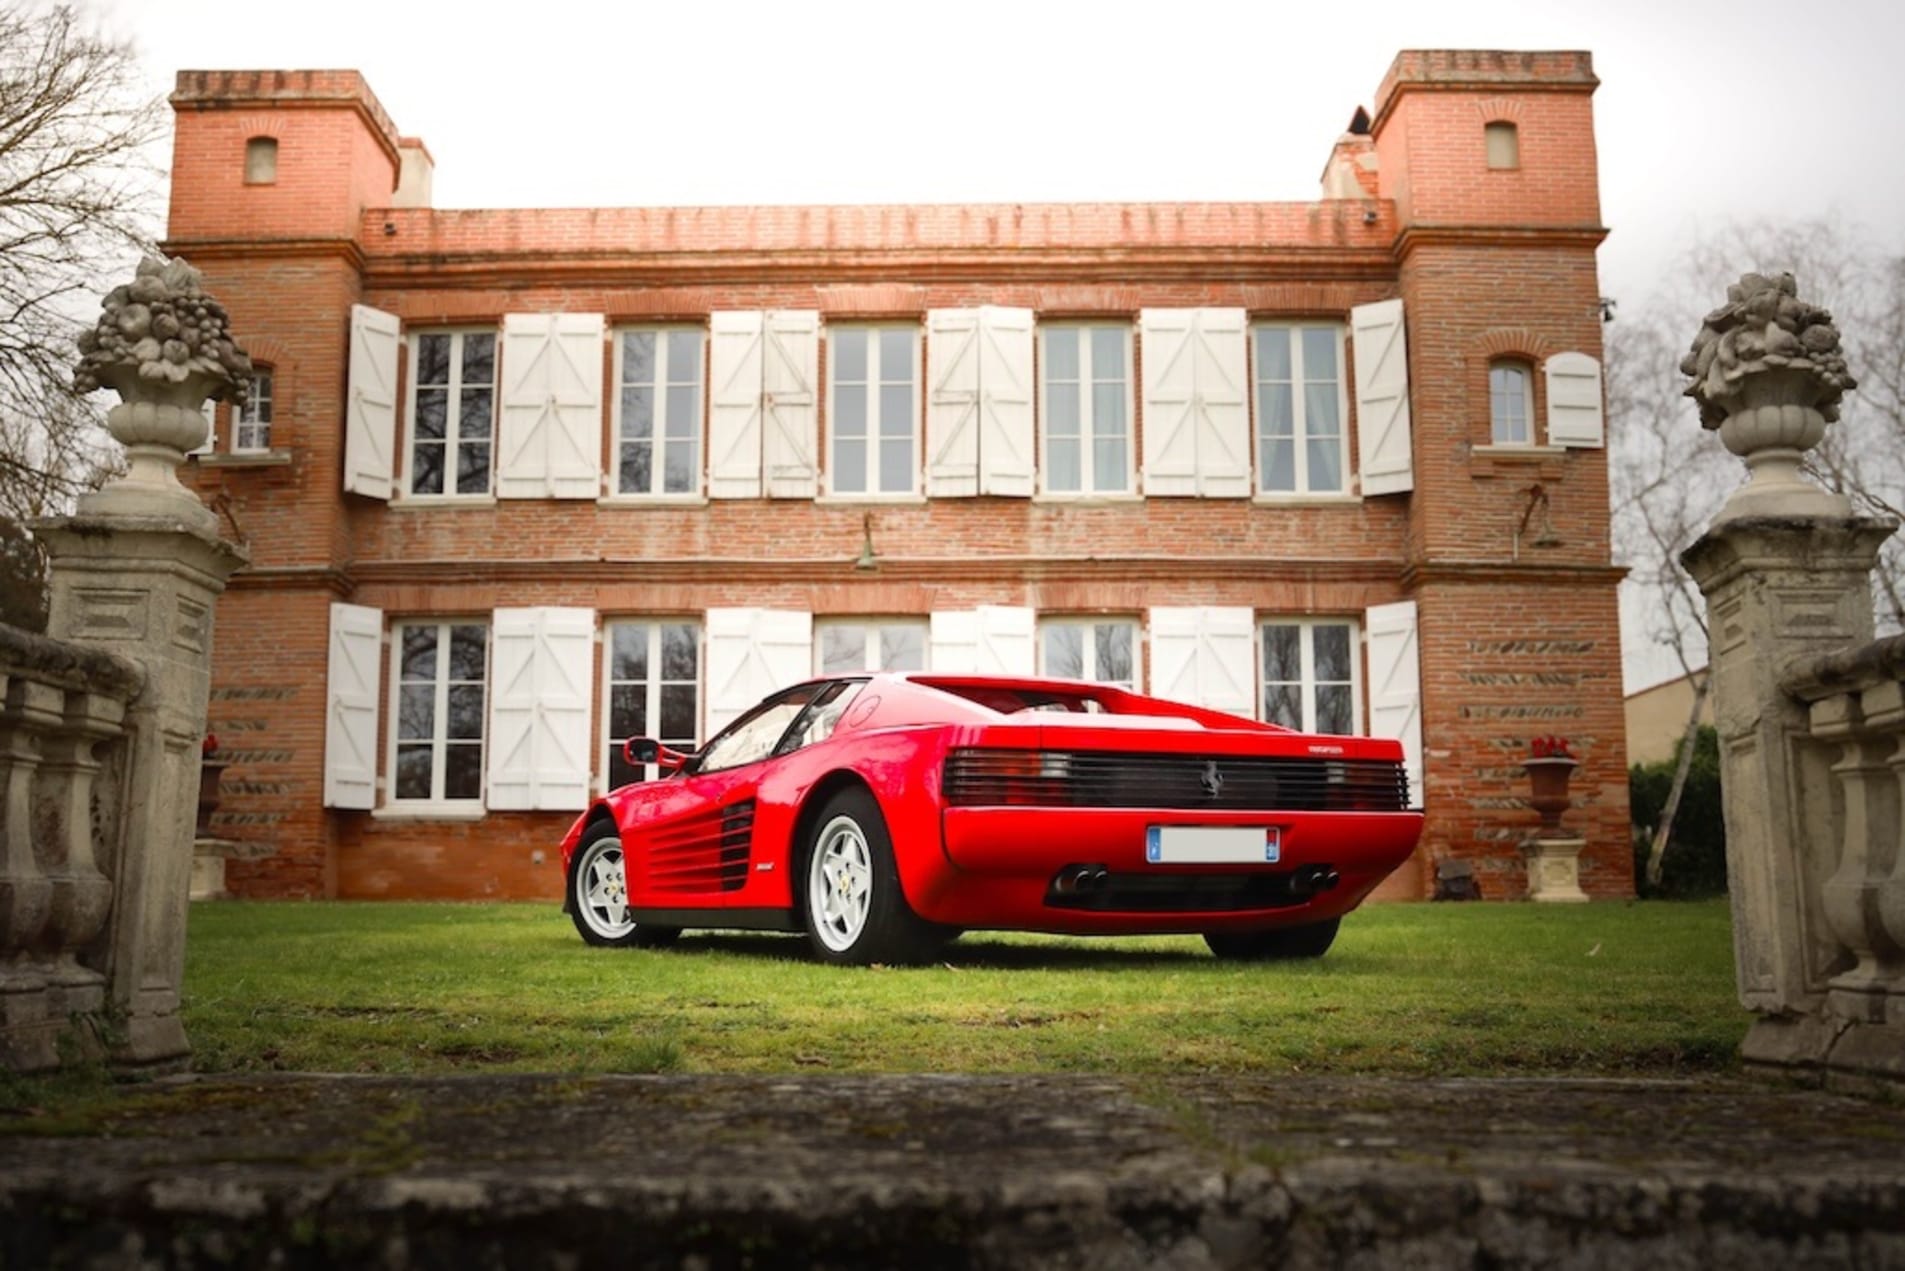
x: 754, y: 735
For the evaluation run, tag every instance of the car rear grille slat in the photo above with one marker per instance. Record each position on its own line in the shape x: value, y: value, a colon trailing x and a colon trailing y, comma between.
x: 981, y: 777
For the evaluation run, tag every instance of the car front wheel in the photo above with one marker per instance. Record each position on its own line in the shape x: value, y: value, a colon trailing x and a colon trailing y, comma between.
x: 851, y: 901
x: 598, y: 895
x: 1310, y: 941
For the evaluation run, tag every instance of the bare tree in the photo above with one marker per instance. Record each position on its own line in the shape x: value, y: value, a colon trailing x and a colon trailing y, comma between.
x: 78, y: 196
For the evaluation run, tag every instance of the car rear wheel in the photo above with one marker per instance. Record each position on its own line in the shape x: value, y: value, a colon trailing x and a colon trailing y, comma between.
x: 598, y: 895
x: 851, y: 901
x: 1311, y: 941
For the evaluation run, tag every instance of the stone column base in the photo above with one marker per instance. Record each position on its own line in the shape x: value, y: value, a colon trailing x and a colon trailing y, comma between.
x: 1554, y: 870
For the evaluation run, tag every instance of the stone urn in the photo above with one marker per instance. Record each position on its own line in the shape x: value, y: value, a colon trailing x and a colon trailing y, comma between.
x: 210, y: 772
x: 1548, y: 778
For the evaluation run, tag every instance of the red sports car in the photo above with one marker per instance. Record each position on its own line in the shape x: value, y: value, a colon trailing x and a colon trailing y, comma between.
x: 885, y: 814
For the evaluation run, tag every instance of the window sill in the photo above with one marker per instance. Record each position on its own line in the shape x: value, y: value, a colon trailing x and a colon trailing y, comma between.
x: 429, y: 812
x: 652, y: 501
x: 1088, y: 498
x: 1544, y: 462
x: 848, y: 500
x: 1283, y: 499
x: 1505, y: 450
x: 245, y: 459
x: 433, y: 502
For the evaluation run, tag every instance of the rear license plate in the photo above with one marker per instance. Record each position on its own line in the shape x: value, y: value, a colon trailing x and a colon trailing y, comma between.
x: 1212, y: 845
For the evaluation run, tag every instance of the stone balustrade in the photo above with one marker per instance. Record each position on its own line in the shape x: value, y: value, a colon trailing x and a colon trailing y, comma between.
x: 63, y: 744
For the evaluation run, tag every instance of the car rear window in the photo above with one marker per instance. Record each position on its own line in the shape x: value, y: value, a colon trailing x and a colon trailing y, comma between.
x: 1014, y: 700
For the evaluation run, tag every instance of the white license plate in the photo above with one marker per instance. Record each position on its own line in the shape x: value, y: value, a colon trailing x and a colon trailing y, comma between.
x: 1212, y: 845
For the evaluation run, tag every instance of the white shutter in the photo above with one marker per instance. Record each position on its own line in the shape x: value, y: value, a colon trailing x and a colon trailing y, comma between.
x: 734, y: 406
x: 209, y: 410
x: 1220, y: 405
x: 1574, y: 400
x: 1395, y: 685
x: 752, y: 653
x: 1006, y: 642
x: 1205, y: 656
x: 790, y: 424
x: 953, y: 642
x: 350, y: 726
x: 1005, y: 401
x: 1382, y: 397
x: 1170, y: 389
x: 541, y: 665
x: 370, y: 412
x: 550, y: 445
x: 952, y: 404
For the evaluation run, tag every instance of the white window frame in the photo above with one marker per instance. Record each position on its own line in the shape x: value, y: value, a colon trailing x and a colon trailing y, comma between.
x: 665, y: 336
x: 440, y: 717
x: 871, y: 627
x: 1512, y: 366
x: 1089, y: 625
x: 453, y: 421
x: 1299, y: 387
x: 652, y: 703
x: 1306, y: 656
x: 873, y: 419
x: 256, y: 415
x: 1088, y: 475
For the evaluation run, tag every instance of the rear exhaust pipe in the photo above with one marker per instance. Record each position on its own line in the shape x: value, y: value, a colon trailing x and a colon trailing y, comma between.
x: 1077, y: 880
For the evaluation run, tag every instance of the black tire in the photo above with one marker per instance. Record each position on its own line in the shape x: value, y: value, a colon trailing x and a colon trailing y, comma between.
x: 598, y: 895
x: 849, y: 889
x: 1275, y: 945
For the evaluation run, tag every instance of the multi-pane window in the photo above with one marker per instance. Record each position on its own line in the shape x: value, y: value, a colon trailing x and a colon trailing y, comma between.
x: 453, y: 411
x: 1302, y: 447
x: 873, y: 419
x: 658, y: 432
x: 251, y: 425
x: 1087, y: 409
x: 1508, y: 399
x: 653, y: 673
x: 1310, y: 675
x: 1102, y: 650
x: 440, y: 673
x: 842, y: 647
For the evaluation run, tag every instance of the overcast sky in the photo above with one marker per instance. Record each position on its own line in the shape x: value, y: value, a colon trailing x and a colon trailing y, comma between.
x: 1708, y: 110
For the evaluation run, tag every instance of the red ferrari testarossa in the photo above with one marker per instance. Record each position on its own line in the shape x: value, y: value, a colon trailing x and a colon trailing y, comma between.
x: 884, y: 814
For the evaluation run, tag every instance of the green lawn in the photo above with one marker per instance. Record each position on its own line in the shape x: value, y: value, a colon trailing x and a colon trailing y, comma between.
x: 1428, y: 989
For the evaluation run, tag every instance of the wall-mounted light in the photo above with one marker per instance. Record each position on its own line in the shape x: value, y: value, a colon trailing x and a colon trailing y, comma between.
x: 869, y: 559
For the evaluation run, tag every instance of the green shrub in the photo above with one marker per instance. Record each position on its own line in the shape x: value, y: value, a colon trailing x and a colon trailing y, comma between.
x: 1696, y: 858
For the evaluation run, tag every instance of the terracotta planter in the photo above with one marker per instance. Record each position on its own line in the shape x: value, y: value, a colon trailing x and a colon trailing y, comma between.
x: 209, y: 772
x: 1548, y: 780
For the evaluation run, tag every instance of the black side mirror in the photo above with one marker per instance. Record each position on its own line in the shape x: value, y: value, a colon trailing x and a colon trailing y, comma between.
x: 641, y: 750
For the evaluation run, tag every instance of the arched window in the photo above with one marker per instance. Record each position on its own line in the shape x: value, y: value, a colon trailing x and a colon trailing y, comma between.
x: 1510, y: 404
x: 1504, y: 145
x: 261, y: 161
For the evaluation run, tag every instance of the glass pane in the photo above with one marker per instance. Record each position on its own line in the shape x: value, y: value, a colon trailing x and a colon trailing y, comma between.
x: 1107, y: 355
x: 1332, y: 653
x: 433, y: 412
x: 1276, y: 415
x: 419, y: 654
x: 426, y: 468
x: 1273, y: 353
x: 638, y: 357
x: 433, y: 359
x: 1061, y: 408
x: 1114, y: 642
x: 896, y: 465
x: 681, y: 411
x: 473, y: 416
x: 628, y: 651
x: 678, y: 714
x: 1335, y: 713
x: 628, y: 711
x: 1061, y: 353
x: 1277, y: 462
x: 479, y: 360
x: 467, y: 646
x: 1319, y: 411
x: 843, y: 647
x: 1283, y: 704
x: 680, y: 649
x: 684, y: 357
x: 462, y: 770
x: 850, y: 412
x: 638, y: 412
x: 1110, y: 472
x: 466, y: 712
x: 849, y: 465
x: 1062, y: 472
x: 902, y: 648
x: 472, y: 468
x: 638, y: 468
x: 896, y: 356
x: 1326, y: 465
x: 848, y: 345
x: 896, y: 410
x: 413, y: 772
x: 1319, y: 354
x: 678, y: 476
x: 620, y: 771
x: 416, y: 712
x: 1107, y: 409
x: 1065, y: 651
x: 1282, y: 654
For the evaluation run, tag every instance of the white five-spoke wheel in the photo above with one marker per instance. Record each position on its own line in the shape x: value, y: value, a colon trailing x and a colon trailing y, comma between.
x: 598, y: 895
x: 840, y: 884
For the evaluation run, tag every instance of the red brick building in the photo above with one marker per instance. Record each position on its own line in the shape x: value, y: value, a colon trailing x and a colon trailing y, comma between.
x: 520, y: 483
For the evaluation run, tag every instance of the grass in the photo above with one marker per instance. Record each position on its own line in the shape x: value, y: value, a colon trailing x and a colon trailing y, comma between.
x: 1408, y: 989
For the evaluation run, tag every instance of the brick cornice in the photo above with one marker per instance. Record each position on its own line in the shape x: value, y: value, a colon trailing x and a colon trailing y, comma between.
x: 1419, y: 574
x: 1583, y: 237
x: 332, y: 578
x: 194, y: 250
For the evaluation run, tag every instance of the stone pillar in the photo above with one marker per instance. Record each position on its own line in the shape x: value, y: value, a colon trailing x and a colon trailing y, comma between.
x: 1781, y: 591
